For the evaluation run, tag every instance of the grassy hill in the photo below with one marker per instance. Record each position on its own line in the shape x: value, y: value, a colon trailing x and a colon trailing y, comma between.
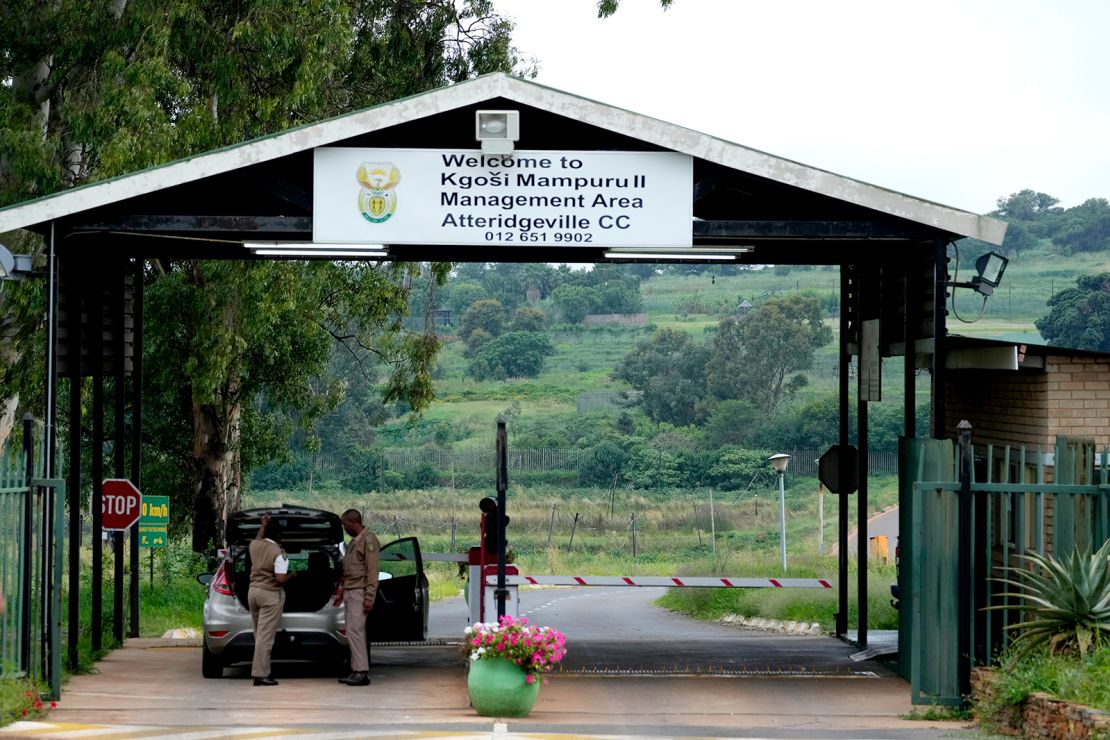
x: 584, y: 358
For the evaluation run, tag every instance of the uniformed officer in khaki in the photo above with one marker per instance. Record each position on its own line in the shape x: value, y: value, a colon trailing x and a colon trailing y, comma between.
x: 266, y: 596
x: 360, y: 587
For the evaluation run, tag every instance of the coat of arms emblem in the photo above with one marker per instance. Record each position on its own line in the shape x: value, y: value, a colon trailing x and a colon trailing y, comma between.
x: 377, y: 199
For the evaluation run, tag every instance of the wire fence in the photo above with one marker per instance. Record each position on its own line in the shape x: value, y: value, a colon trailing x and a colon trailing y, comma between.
x: 546, y: 459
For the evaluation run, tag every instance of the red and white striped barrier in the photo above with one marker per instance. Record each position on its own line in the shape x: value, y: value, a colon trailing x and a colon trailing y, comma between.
x: 690, y: 582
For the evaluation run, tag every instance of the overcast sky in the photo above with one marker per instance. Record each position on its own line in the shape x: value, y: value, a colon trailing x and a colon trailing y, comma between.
x: 955, y: 102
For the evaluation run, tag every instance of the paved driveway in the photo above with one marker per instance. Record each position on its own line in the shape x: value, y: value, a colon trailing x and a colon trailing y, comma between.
x: 153, y: 688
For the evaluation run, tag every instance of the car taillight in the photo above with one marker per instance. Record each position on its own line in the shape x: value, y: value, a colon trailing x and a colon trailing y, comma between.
x: 221, y: 584
x: 218, y: 633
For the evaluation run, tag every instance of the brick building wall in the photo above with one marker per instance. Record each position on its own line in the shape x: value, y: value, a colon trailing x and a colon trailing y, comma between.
x: 1004, y: 408
x: 1078, y: 397
x: 1069, y: 398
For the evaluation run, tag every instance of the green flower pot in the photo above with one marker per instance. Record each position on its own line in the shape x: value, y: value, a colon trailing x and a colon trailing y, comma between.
x: 498, y: 688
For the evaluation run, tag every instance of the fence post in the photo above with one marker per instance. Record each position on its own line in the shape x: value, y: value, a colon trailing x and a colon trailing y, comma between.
x: 963, y: 564
x: 551, y: 524
x: 28, y: 533
x: 502, y: 593
x: 697, y: 528
x: 712, y: 524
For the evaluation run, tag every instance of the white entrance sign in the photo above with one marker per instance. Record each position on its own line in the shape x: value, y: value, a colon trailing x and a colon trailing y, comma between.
x: 462, y: 197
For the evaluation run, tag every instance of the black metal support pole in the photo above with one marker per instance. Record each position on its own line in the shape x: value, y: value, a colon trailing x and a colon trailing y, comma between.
x: 28, y: 536
x: 862, y: 540
x: 96, y: 356
x: 136, y: 435
x: 73, y: 474
x: 502, y: 592
x: 963, y: 597
x: 117, y: 282
x: 842, y: 499
x: 909, y: 356
x: 50, y: 421
x: 46, y: 578
x: 118, y: 443
x: 49, y: 464
x: 940, y: 335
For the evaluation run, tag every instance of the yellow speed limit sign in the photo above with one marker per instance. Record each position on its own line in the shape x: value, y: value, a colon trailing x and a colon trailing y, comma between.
x: 154, y: 521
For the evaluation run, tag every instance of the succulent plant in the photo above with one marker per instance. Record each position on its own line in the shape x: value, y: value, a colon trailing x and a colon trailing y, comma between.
x: 1066, y: 601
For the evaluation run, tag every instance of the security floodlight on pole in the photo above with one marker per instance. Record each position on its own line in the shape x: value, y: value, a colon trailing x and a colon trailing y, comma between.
x: 780, y: 461
x: 990, y: 267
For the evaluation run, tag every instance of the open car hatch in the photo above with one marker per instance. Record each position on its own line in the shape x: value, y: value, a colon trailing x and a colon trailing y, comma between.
x: 300, y: 526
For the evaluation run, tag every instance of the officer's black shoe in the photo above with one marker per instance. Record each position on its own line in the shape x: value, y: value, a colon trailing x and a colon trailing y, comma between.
x: 345, y: 679
x: 265, y: 682
x: 358, y: 679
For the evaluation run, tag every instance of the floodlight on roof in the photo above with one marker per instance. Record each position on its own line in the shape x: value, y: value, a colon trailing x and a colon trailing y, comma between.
x: 497, y: 130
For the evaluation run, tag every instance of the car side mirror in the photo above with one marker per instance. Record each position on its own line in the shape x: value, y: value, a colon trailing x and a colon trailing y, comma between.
x: 205, y: 579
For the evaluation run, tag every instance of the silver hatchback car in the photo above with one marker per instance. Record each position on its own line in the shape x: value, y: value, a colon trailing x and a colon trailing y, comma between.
x: 312, y: 627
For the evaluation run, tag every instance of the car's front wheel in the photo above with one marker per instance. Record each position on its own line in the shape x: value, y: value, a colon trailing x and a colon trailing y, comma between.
x: 210, y: 664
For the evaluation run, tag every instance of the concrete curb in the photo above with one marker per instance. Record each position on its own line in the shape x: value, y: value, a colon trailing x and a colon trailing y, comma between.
x: 773, y: 625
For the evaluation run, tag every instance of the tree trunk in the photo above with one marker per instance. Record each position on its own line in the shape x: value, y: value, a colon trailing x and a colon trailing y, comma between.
x: 8, y: 357
x: 8, y: 407
x: 216, y: 467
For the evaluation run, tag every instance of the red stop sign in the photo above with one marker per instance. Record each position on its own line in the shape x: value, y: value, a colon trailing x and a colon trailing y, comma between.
x: 120, y: 504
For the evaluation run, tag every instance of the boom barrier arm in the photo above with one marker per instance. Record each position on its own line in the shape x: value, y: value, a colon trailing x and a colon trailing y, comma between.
x: 641, y: 581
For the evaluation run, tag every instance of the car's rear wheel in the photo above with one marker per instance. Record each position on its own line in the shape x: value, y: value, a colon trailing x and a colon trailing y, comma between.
x: 210, y: 664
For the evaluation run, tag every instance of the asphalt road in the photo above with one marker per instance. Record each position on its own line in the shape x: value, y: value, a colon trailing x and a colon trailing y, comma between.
x: 885, y: 523
x: 618, y: 630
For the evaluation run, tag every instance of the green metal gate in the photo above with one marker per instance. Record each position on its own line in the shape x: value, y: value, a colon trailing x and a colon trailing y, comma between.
x: 1012, y: 511
x: 32, y: 514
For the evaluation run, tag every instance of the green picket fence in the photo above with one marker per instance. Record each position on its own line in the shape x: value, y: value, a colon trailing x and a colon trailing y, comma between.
x: 32, y: 514
x: 1015, y: 510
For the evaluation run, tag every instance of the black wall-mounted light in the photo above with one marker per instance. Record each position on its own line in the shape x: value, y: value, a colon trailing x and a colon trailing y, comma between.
x: 990, y: 267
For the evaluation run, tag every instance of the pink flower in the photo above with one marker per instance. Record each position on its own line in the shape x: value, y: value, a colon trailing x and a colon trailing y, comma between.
x: 529, y: 678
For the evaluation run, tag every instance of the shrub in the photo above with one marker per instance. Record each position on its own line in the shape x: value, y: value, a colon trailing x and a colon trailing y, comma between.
x: 516, y: 354
x: 605, y: 460
x: 422, y: 476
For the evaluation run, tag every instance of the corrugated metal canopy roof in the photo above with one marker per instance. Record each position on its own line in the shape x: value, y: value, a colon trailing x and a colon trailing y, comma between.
x: 652, y: 132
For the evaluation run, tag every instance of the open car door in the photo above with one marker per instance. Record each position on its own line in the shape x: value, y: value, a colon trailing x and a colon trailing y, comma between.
x: 400, y: 612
